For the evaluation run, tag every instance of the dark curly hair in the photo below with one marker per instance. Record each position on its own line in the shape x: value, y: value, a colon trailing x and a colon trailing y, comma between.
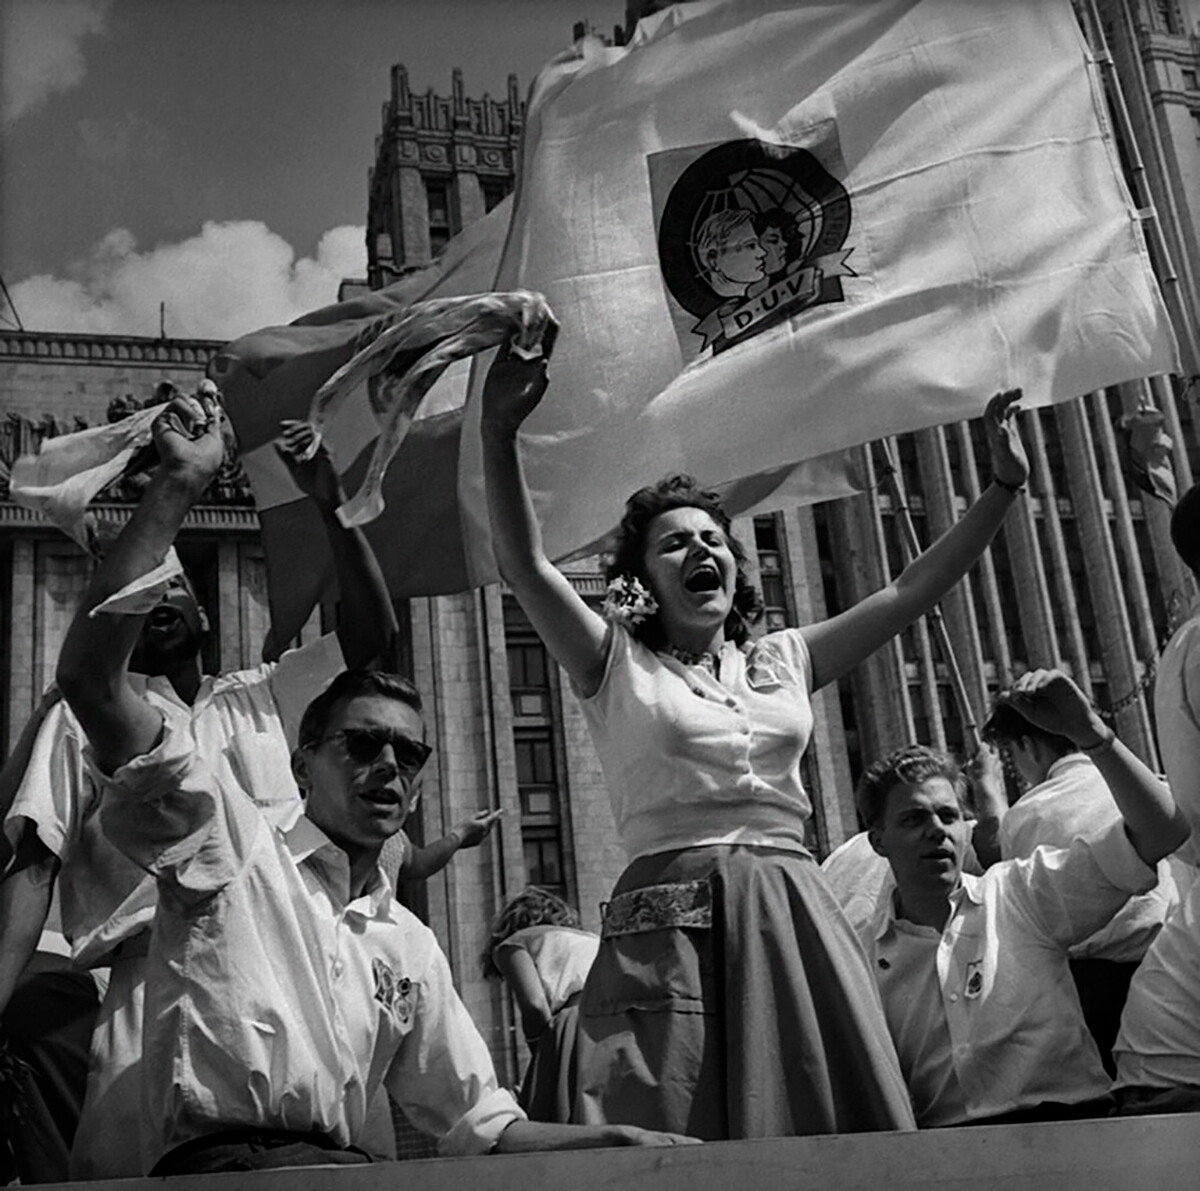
x: 908, y: 766
x: 533, y: 906
x: 1006, y: 725
x: 629, y: 557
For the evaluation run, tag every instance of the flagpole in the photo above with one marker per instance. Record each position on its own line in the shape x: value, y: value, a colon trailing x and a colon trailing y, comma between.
x: 890, y: 473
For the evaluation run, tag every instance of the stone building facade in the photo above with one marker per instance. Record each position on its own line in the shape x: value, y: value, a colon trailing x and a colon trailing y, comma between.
x: 1082, y: 575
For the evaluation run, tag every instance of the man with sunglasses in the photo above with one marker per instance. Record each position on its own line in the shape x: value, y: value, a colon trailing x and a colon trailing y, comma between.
x: 248, y: 717
x: 285, y: 985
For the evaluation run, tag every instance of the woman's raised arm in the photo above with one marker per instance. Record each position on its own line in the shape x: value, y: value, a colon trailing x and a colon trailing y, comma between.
x: 840, y: 643
x: 571, y: 631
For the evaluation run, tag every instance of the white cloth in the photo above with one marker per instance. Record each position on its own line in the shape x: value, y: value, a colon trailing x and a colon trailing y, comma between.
x: 690, y: 760
x: 248, y: 720
x: 1074, y: 801
x: 1159, y: 1041
x: 1177, y: 717
x: 859, y: 877
x: 70, y: 469
x: 273, y: 998
x: 562, y: 957
x: 438, y: 332
x: 1017, y: 1035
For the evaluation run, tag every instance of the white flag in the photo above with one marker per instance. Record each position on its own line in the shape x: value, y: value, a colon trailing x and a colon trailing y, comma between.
x: 772, y: 230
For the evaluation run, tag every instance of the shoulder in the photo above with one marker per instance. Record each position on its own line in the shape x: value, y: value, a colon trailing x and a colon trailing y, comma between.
x: 414, y: 939
x: 782, y: 655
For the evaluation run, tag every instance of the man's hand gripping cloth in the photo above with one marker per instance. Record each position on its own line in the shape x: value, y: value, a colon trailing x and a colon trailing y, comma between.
x: 453, y: 328
x: 68, y: 470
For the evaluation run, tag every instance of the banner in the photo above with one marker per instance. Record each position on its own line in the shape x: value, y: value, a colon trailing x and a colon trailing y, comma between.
x: 424, y: 544
x: 771, y: 230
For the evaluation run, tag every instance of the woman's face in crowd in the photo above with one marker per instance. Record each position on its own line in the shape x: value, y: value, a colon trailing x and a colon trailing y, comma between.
x: 691, y: 569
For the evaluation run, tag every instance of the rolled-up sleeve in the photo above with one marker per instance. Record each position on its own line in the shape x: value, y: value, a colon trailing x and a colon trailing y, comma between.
x: 164, y: 811
x: 443, y: 1075
x: 1075, y: 891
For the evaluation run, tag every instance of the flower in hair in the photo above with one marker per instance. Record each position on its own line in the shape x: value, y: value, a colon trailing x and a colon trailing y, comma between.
x: 627, y: 602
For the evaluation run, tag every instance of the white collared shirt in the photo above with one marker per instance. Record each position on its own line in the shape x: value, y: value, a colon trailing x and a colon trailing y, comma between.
x: 1016, y: 1033
x: 692, y: 760
x: 272, y: 998
x: 1177, y: 720
x: 1159, y: 1041
x: 247, y: 718
x: 1074, y: 801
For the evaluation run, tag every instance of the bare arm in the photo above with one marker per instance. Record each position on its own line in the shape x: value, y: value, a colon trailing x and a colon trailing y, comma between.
x: 989, y: 801
x: 367, y: 623
x: 1154, y: 824
x: 93, y: 664
x: 470, y: 833
x: 25, y: 894
x: 840, y: 643
x: 571, y: 631
x: 518, y: 969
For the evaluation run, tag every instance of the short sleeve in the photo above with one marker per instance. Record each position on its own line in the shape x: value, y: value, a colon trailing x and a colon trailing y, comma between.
x: 781, y: 658
x: 165, y: 811
x: 55, y: 791
x: 1072, y: 892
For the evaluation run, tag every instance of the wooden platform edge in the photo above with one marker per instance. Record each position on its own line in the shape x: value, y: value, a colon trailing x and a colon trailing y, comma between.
x: 1158, y: 1153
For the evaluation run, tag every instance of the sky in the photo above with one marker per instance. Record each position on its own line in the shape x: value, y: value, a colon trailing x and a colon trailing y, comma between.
x: 213, y: 154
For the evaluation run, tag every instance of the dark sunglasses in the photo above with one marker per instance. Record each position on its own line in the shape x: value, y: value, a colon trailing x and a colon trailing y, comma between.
x: 363, y: 745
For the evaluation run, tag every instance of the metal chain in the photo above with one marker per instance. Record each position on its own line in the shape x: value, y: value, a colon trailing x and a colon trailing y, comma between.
x: 1176, y: 613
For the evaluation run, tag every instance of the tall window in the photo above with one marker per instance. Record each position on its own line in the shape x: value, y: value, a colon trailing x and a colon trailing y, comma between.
x: 494, y: 191
x: 442, y: 221
x: 535, y: 742
x: 772, y: 575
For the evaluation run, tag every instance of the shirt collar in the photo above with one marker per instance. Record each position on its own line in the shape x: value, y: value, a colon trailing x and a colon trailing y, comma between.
x: 1067, y: 761
x: 305, y: 841
x: 969, y: 888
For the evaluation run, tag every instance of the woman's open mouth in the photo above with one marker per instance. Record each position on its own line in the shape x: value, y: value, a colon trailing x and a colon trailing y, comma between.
x: 704, y: 578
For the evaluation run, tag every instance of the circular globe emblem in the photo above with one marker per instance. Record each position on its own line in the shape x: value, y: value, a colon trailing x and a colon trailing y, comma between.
x: 751, y: 234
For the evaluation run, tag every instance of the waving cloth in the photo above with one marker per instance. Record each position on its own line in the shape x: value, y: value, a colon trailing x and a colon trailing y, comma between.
x: 433, y: 537
x: 69, y: 470
x: 451, y: 329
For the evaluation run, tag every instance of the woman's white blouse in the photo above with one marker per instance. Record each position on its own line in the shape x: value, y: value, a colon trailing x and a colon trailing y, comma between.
x: 690, y: 760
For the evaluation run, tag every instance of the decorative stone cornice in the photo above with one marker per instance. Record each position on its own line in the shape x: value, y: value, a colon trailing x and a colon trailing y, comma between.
x: 83, y: 348
x: 210, y: 518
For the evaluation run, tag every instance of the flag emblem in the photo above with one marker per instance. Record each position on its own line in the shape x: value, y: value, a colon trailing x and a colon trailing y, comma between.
x: 749, y: 234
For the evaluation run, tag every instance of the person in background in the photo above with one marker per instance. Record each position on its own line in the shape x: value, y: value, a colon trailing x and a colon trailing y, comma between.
x: 537, y: 946
x: 285, y: 985
x: 49, y: 1011
x: 1066, y: 798
x: 974, y: 971
x: 1158, y: 1048
x: 247, y: 718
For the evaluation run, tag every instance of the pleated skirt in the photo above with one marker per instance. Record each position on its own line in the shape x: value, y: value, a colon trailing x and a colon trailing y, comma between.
x: 548, y: 1089
x: 765, y: 1022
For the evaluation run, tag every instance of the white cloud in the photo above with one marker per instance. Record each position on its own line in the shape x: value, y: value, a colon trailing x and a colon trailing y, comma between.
x: 41, y: 49
x: 231, y: 279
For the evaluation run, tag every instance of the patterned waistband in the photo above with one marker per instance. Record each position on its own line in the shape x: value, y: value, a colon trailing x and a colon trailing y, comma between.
x: 658, y: 907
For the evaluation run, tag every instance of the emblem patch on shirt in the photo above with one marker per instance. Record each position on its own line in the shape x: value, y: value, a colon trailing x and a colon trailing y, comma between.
x: 397, y: 994
x: 974, y: 984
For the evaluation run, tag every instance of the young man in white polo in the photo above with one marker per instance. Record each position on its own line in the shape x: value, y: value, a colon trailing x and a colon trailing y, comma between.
x: 974, y: 971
